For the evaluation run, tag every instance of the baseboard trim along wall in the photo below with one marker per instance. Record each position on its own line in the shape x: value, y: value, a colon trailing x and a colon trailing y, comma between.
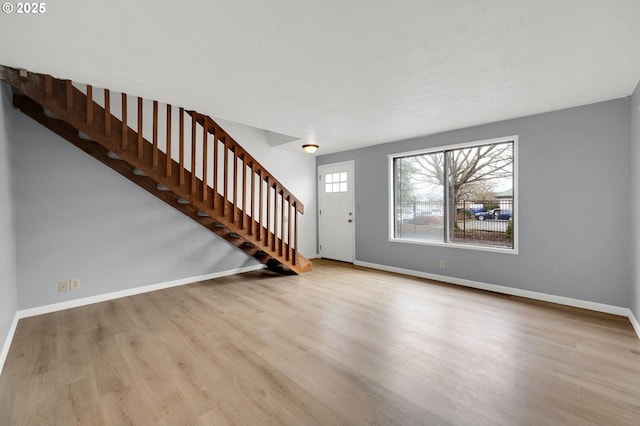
x: 7, y: 342
x: 634, y: 323
x: 30, y: 312
x: 561, y: 300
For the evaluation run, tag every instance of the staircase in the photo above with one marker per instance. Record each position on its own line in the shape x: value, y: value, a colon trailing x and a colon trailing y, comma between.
x: 186, y: 160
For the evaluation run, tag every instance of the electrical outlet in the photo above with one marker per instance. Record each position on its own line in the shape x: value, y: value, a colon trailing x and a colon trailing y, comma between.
x: 443, y: 264
x: 63, y: 286
x: 75, y: 284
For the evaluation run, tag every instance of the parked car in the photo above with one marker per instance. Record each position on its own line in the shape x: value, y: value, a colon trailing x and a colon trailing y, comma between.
x: 497, y: 214
x: 471, y: 207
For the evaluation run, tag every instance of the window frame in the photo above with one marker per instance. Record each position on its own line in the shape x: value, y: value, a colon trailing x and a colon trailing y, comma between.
x: 443, y: 148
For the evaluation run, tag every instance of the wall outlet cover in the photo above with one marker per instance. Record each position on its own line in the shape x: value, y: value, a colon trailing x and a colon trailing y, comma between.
x: 75, y: 284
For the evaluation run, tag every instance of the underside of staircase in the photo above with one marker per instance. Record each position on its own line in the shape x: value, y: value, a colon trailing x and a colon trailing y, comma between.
x: 190, y: 163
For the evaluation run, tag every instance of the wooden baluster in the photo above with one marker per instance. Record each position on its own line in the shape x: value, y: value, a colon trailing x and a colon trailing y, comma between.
x: 268, y: 218
x: 235, y: 185
x: 48, y: 86
x: 205, y: 163
x: 243, y: 209
x: 260, y: 202
x: 295, y: 232
x: 215, y: 166
x: 154, y: 161
x: 181, y: 130
x: 193, y: 152
x: 107, y: 112
x: 125, y: 128
x: 289, y: 228
x: 168, y: 147
x: 69, y: 89
x: 275, y: 218
x: 89, y: 105
x: 281, y: 222
x: 253, y: 196
x: 140, y: 138
x: 225, y: 189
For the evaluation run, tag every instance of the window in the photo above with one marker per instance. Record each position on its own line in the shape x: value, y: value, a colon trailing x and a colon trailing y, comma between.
x: 335, y: 182
x: 462, y: 195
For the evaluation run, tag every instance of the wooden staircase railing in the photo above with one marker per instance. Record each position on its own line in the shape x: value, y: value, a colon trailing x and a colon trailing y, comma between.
x: 195, y: 166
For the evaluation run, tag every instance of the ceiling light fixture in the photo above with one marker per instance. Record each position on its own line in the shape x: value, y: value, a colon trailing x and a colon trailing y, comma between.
x: 310, y: 148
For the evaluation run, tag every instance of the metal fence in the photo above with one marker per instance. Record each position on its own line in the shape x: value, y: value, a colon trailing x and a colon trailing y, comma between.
x: 475, y: 222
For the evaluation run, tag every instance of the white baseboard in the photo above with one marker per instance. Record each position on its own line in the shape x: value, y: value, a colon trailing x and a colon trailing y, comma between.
x: 577, y: 303
x: 634, y: 323
x: 8, y: 340
x: 39, y: 310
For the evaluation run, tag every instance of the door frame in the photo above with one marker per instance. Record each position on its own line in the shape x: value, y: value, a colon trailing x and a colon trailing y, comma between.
x: 353, y: 203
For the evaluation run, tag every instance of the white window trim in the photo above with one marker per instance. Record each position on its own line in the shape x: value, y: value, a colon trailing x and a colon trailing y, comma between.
x: 516, y: 196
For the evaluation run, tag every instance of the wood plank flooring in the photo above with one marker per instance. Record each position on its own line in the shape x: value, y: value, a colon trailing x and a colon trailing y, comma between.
x: 341, y: 345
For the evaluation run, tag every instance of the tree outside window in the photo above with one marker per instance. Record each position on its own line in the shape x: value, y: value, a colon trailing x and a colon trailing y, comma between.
x: 460, y: 195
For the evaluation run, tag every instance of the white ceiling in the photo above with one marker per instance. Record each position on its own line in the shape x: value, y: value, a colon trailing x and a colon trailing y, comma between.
x: 346, y: 73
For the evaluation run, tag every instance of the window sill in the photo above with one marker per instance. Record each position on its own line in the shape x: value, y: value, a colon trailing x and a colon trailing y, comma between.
x: 502, y: 250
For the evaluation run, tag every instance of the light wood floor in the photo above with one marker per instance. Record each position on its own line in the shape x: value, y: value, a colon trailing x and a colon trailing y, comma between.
x: 341, y: 345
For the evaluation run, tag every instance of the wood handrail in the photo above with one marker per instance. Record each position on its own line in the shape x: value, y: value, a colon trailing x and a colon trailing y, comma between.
x: 214, y: 127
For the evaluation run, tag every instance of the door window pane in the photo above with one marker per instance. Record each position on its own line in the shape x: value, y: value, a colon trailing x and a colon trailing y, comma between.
x: 336, y: 182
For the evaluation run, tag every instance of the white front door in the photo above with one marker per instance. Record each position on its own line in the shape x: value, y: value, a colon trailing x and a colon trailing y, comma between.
x: 336, y: 214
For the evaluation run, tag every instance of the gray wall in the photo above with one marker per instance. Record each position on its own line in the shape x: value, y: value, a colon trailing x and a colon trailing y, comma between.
x: 574, y: 220
x: 635, y: 198
x: 76, y: 218
x: 8, y: 278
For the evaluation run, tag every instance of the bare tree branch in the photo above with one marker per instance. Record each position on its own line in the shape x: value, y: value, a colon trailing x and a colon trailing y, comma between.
x: 470, y: 166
